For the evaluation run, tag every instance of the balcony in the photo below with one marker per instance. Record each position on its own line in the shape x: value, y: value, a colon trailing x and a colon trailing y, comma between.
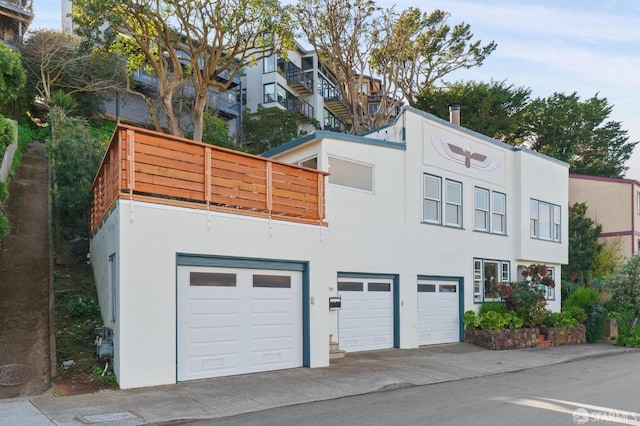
x: 296, y: 104
x: 298, y: 80
x: 142, y: 165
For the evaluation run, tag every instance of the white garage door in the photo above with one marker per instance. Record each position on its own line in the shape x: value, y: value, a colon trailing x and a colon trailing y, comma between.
x: 236, y: 321
x: 438, y: 312
x: 365, y: 320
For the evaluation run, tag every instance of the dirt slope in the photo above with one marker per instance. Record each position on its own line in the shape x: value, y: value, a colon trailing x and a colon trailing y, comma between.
x: 24, y: 281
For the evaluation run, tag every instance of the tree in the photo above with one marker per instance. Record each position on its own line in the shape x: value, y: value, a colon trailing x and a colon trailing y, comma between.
x: 405, y: 51
x: 56, y: 60
x: 215, y: 132
x: 575, y: 131
x: 584, y: 248
x: 268, y: 128
x: 494, y: 109
x: 12, y: 74
x: 624, y: 287
x: 205, y: 43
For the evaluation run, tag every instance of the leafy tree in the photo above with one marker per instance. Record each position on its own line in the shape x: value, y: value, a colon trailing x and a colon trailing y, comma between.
x: 215, y: 132
x: 268, y: 128
x: 56, y: 60
x: 188, y: 41
x: 494, y: 109
x: 564, y: 127
x: 406, y: 50
x: 624, y: 287
x: 76, y: 157
x: 609, y: 257
x: 12, y: 74
x: 584, y: 248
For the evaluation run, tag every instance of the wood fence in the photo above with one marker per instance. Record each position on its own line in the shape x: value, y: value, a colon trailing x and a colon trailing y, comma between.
x: 148, y: 166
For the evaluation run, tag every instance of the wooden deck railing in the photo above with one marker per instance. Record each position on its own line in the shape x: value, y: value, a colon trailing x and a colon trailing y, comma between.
x: 148, y: 166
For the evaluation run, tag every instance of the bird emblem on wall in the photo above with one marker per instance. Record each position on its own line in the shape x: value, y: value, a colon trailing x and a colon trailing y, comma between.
x: 465, y: 156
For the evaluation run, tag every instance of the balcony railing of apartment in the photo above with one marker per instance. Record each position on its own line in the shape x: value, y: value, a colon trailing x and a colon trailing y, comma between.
x: 298, y: 79
x: 22, y: 7
x: 147, y: 166
x: 298, y: 105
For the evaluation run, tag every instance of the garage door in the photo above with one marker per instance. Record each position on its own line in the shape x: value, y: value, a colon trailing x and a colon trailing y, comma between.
x: 438, y: 312
x: 365, y: 320
x: 236, y: 321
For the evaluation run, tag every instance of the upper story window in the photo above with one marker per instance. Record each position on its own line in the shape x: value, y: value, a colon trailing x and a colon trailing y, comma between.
x: 499, y: 213
x: 453, y: 209
x: 481, y: 216
x: 351, y: 174
x: 638, y: 202
x: 269, y: 63
x: 490, y: 211
x: 432, y: 199
x: 269, y: 93
x: 311, y: 163
x: 432, y: 203
x: 545, y: 221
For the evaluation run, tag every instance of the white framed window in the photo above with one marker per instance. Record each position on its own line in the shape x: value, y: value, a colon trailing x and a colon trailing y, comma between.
x: 487, y: 274
x: 269, y: 93
x: 311, y: 163
x: 545, y: 221
x: 499, y: 213
x: 351, y: 174
x: 269, y: 63
x: 432, y: 199
x: 549, y: 291
x: 481, y: 204
x: 453, y: 208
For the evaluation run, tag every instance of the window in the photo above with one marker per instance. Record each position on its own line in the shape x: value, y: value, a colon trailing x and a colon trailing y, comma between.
x: 486, y: 276
x: 210, y: 279
x: 351, y: 174
x: 545, y: 221
x: 311, y: 163
x: 499, y: 213
x: 431, y: 204
x: 638, y: 202
x: 270, y: 63
x: 269, y: 93
x: 453, y: 209
x: 549, y: 291
x: 481, y: 218
x: 272, y: 281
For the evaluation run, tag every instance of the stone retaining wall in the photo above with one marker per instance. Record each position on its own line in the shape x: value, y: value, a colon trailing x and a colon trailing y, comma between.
x: 517, y: 338
x: 575, y: 335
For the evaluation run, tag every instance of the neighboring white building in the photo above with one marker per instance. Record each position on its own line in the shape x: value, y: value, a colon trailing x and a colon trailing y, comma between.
x: 231, y: 268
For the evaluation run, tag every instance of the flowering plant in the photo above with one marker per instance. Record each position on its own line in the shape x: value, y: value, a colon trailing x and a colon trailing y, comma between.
x: 538, y: 275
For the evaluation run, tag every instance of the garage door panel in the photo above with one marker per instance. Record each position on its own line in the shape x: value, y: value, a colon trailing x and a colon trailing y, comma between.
x: 438, y: 313
x: 225, y: 330
x: 365, y: 319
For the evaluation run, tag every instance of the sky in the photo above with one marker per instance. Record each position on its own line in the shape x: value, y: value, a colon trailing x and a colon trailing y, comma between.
x: 584, y: 46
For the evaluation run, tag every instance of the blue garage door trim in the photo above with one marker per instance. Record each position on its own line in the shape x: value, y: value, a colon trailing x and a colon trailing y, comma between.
x: 460, y: 281
x: 396, y: 297
x: 186, y: 259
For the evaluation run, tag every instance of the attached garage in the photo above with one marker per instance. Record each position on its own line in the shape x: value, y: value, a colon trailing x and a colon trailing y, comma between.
x: 366, y: 318
x: 438, y: 311
x: 238, y: 320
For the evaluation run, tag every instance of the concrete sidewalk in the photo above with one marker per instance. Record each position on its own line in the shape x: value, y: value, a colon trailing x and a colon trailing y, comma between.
x: 356, y: 374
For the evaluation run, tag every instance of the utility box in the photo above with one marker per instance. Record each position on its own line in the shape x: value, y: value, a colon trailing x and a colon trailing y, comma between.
x: 335, y: 303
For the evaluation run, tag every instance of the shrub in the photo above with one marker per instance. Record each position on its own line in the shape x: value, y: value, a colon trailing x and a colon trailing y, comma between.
x: 560, y: 320
x: 577, y: 313
x: 4, y: 225
x: 491, y: 320
x: 583, y: 297
x: 4, y: 192
x: 80, y: 306
x: 596, y: 315
x: 496, y: 306
x: 567, y: 289
x: 470, y: 320
x: 526, y: 300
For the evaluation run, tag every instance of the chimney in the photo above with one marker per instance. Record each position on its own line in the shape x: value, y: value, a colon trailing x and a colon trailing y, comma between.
x: 454, y: 114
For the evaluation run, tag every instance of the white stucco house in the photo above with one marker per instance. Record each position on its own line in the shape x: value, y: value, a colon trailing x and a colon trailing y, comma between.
x: 210, y: 262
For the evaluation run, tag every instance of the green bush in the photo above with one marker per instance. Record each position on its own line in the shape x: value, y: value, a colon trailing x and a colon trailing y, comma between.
x: 560, y: 320
x: 491, y: 320
x: 567, y: 289
x: 80, y: 306
x: 4, y: 225
x: 596, y: 315
x: 4, y: 192
x: 577, y: 313
x: 583, y: 297
x: 496, y: 306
